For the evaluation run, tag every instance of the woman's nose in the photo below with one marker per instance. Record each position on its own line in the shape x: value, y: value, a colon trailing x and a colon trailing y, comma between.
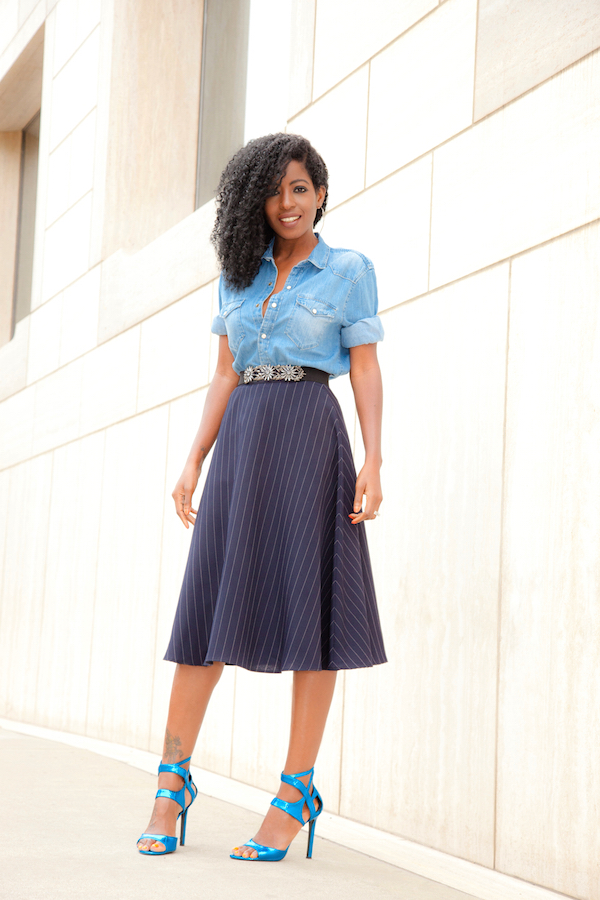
x: 286, y: 199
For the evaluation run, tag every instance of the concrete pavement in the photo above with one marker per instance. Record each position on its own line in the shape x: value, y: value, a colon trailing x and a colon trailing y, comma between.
x: 71, y: 818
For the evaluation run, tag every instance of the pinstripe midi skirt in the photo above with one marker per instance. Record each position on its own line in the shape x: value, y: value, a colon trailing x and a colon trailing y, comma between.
x: 277, y: 577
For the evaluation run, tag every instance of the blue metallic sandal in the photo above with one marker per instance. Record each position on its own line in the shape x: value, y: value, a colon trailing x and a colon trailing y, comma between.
x: 170, y: 842
x: 272, y: 854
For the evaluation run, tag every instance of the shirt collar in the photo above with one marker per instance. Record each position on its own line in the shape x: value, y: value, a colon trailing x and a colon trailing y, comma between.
x: 319, y: 255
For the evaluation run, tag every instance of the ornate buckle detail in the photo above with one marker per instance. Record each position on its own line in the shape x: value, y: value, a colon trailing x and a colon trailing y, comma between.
x: 267, y: 372
x: 292, y: 373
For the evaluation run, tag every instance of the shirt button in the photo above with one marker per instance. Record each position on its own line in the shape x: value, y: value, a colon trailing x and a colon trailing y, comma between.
x: 314, y: 310
x: 273, y: 304
x: 257, y: 304
x: 289, y: 287
x: 263, y: 335
x: 270, y: 283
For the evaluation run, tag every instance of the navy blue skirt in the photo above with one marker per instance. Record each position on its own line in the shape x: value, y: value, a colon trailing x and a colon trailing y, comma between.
x: 277, y: 577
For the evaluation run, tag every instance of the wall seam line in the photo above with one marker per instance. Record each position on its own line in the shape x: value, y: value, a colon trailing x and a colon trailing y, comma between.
x: 95, y: 591
x: 367, y: 122
x: 69, y: 133
x: 200, y: 105
x: 430, y: 223
x: 339, y: 806
x: 47, y: 227
x: 62, y: 322
x: 475, y: 63
x: 45, y: 575
x: 7, y: 490
x: 312, y: 69
x: 231, y: 743
x: 75, y: 51
x: 500, y: 568
x: 137, y: 381
x: 158, y: 580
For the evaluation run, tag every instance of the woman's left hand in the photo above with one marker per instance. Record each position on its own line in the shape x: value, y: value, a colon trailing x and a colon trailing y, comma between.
x: 368, y: 484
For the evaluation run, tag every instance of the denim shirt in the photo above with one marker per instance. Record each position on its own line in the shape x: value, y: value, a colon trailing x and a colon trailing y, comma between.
x: 327, y: 305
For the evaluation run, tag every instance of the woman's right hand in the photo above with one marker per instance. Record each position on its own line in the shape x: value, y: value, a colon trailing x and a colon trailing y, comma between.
x: 183, y: 493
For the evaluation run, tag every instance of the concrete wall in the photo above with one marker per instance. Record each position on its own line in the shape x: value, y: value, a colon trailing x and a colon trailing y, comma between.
x: 153, y: 124
x: 462, y: 140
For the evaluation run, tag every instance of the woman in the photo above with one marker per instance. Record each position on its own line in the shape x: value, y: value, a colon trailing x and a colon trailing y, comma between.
x: 278, y: 575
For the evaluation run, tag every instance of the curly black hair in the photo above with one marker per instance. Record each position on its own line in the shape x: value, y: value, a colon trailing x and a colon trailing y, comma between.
x: 241, y: 233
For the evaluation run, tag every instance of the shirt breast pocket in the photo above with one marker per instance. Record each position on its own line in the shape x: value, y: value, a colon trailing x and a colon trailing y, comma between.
x: 232, y: 313
x: 309, y: 321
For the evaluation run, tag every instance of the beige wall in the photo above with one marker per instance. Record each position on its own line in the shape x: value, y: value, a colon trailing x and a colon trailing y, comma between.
x: 153, y: 120
x: 480, y: 208
x: 21, y: 82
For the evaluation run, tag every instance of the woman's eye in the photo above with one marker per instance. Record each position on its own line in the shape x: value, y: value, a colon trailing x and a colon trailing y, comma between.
x: 300, y: 188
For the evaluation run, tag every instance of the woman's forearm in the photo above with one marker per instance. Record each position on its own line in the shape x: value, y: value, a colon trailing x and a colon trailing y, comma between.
x: 221, y: 387
x: 365, y: 376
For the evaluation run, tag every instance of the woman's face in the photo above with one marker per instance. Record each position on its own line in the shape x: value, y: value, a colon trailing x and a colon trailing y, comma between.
x: 291, y: 208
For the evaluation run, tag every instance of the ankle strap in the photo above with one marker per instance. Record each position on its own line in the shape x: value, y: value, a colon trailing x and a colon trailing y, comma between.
x: 176, y: 769
x: 296, y: 810
x: 293, y: 780
x: 298, y: 774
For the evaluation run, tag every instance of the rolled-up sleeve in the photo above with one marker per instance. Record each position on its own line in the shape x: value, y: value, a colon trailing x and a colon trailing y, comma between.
x: 218, y: 323
x: 361, y: 324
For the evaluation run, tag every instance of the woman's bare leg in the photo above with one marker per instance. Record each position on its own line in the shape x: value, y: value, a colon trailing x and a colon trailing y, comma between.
x: 312, y: 696
x: 191, y: 691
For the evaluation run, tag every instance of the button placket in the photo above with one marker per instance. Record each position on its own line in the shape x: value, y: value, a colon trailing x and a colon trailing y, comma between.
x: 263, y: 338
x: 267, y: 322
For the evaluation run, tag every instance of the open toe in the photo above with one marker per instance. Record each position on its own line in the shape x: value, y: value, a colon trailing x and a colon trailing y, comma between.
x: 244, y: 852
x: 151, y: 846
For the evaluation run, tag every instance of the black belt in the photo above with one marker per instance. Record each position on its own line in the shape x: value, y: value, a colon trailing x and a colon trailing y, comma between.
x: 268, y: 374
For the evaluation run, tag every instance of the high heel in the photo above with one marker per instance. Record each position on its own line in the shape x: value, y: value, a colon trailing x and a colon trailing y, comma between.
x: 272, y: 854
x: 170, y: 842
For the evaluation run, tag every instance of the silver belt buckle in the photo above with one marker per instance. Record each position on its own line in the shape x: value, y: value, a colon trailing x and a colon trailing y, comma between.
x: 287, y: 372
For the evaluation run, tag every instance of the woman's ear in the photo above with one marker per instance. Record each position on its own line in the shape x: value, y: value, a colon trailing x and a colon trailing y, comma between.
x: 321, y: 196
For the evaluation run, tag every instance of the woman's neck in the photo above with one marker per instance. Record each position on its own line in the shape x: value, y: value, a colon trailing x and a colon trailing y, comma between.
x: 288, y: 251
